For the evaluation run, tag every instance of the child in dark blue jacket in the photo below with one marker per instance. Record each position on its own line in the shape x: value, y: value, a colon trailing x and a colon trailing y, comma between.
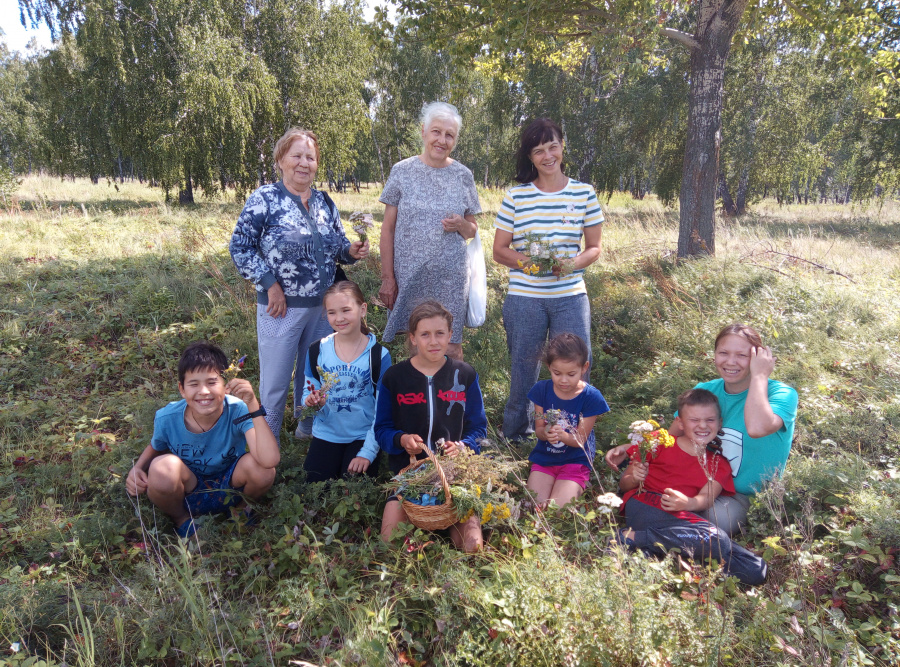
x: 424, y: 399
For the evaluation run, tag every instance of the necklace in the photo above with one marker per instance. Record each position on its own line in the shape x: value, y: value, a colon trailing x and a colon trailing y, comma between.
x: 197, y: 424
x: 356, y: 350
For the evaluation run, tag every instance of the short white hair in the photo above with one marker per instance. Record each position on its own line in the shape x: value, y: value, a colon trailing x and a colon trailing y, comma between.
x: 435, y: 110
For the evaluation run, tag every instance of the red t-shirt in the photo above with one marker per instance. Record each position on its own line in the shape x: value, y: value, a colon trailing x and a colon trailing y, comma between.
x: 674, y: 468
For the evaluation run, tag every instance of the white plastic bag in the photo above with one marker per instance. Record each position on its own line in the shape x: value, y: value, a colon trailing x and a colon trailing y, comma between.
x: 477, y: 310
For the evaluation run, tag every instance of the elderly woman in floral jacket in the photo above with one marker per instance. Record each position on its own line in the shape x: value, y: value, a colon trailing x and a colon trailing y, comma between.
x: 288, y: 240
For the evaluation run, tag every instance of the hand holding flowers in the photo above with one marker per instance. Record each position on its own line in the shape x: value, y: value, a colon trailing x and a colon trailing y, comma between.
x: 543, y: 259
x: 559, y: 429
x: 361, y: 224
x: 646, y: 438
x: 318, y: 397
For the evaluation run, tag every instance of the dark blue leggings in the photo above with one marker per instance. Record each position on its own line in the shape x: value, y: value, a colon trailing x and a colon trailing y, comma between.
x: 656, y: 532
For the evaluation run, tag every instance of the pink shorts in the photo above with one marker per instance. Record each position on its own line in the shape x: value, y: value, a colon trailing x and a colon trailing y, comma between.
x: 576, y: 472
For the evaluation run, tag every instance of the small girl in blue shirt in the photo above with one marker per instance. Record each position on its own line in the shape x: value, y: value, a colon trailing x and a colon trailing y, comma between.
x: 343, y: 440
x: 565, y: 410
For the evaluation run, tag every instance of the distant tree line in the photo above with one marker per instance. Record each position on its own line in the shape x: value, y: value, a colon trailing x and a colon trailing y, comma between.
x: 190, y: 95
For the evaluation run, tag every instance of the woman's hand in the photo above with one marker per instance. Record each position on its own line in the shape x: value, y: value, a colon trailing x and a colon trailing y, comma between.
x: 359, y: 249
x: 762, y: 362
x: 464, y: 226
x: 358, y: 465
x: 675, y: 501
x: 412, y: 443
x: 759, y: 418
x: 615, y: 456
x: 504, y: 253
x: 315, y: 398
x: 277, y: 305
x: 388, y: 292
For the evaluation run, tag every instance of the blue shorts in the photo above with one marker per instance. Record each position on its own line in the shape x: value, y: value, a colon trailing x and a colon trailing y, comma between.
x: 213, y: 493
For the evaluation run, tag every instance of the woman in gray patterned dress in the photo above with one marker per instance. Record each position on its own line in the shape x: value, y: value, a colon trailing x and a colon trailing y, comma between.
x: 430, y: 207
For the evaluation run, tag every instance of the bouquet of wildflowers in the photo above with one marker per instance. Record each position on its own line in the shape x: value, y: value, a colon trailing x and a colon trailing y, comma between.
x: 361, y: 224
x: 554, y: 417
x: 542, y: 258
x: 646, y: 438
x: 235, y: 368
x: 328, y: 382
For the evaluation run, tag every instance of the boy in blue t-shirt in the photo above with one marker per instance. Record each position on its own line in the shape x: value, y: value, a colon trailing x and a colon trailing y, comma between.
x: 206, y: 453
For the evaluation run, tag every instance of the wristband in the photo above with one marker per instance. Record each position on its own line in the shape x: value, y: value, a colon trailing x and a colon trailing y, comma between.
x: 250, y: 415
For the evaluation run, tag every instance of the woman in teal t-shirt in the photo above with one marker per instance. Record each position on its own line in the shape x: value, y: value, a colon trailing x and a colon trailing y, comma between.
x: 758, y: 416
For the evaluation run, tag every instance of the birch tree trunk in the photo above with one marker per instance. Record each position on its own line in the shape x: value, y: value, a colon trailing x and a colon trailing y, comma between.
x: 718, y: 20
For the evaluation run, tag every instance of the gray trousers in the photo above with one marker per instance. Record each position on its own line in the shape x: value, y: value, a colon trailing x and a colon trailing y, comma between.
x: 728, y: 513
x: 283, y: 343
x: 528, y: 321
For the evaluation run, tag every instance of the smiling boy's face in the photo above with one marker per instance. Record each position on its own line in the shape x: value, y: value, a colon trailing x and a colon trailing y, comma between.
x: 701, y: 423
x: 204, y: 391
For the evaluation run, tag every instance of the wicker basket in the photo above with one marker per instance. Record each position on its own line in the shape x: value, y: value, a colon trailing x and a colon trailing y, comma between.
x: 430, y: 517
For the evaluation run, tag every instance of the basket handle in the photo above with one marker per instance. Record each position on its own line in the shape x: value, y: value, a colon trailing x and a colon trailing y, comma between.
x: 440, y: 470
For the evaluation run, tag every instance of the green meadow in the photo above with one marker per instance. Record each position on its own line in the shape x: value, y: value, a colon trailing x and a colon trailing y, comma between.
x: 103, y: 285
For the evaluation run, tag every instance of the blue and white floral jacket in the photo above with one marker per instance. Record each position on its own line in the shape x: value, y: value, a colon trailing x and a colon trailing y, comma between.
x: 273, y: 242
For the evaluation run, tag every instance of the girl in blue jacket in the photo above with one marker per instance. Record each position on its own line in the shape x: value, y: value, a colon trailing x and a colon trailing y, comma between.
x: 343, y: 440
x: 424, y: 399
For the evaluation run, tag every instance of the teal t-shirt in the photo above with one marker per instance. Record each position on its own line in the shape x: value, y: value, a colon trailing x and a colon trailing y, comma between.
x: 755, y: 460
x: 206, y: 454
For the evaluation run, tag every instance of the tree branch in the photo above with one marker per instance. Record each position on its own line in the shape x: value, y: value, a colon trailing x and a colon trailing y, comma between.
x: 799, y: 12
x: 681, y: 37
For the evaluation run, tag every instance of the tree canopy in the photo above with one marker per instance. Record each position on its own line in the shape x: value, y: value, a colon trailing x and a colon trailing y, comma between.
x: 193, y: 95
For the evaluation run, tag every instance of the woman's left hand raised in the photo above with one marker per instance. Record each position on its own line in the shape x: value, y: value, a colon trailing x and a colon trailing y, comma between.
x: 359, y: 249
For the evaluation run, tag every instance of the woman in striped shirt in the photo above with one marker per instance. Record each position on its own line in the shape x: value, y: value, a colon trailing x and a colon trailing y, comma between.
x: 548, y: 214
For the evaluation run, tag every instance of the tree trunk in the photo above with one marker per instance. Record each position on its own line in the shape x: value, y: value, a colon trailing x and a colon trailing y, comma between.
x: 186, y: 193
x: 717, y: 22
x: 377, y: 148
x: 727, y: 201
x: 743, y: 185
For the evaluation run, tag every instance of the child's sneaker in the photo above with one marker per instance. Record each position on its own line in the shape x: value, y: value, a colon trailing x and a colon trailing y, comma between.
x: 303, y: 432
x: 186, y: 530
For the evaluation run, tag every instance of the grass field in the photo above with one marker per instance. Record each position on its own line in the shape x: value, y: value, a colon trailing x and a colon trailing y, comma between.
x: 103, y: 286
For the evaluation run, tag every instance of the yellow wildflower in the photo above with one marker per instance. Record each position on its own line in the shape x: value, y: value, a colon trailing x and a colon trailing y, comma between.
x: 478, y: 491
x: 468, y: 515
x: 502, y: 511
x: 486, y: 514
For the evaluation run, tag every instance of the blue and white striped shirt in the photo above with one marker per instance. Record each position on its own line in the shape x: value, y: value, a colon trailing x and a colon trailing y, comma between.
x: 557, y: 217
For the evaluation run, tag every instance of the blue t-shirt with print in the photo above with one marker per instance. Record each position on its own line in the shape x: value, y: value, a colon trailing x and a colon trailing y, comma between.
x: 755, y: 460
x: 589, y: 403
x: 206, y: 454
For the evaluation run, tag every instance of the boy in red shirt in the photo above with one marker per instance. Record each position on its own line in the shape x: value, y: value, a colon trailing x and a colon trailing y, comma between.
x: 680, y: 481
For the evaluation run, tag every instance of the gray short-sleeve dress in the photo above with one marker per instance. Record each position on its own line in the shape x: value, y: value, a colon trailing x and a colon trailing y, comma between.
x: 429, y: 263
